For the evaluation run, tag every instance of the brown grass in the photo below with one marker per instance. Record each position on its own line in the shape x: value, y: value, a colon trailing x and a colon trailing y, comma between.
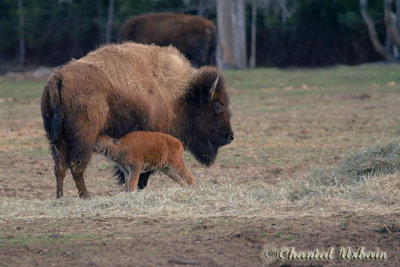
x: 310, y: 146
x: 259, y: 199
x: 281, y: 134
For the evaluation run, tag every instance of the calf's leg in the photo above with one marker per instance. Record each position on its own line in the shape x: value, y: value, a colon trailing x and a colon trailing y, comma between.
x: 185, y: 173
x: 132, y: 184
x: 172, y: 173
x: 178, y: 164
x: 128, y: 172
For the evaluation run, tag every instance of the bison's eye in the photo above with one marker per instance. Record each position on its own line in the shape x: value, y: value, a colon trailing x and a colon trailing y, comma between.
x: 218, y: 108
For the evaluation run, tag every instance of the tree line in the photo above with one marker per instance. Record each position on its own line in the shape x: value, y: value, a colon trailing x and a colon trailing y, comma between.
x: 267, y: 32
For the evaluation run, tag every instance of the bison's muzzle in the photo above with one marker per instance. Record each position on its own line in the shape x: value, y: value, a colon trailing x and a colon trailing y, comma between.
x: 227, y: 139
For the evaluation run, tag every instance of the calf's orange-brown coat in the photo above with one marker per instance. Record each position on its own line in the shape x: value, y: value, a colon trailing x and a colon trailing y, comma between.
x: 138, y: 152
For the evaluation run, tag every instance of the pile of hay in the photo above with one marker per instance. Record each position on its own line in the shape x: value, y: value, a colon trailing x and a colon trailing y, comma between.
x: 369, y: 176
x: 376, y: 160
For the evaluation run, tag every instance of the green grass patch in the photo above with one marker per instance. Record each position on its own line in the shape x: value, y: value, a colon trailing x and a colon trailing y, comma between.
x: 336, y: 79
x: 25, y: 89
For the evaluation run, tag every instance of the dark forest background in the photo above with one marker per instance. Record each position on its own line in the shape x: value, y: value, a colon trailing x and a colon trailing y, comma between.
x: 312, y: 33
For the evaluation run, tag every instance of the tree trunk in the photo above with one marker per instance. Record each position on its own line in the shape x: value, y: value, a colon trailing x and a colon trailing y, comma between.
x: 373, y: 35
x: 202, y: 8
x: 231, y: 34
x: 398, y: 12
x: 396, y: 48
x: 110, y: 20
x: 388, y: 40
x: 284, y: 11
x: 225, y: 57
x: 21, y: 32
x: 390, y: 22
x: 253, y: 34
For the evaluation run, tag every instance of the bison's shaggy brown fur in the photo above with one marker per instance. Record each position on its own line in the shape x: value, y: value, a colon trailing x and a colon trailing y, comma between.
x: 139, y: 152
x: 194, y: 36
x: 132, y: 87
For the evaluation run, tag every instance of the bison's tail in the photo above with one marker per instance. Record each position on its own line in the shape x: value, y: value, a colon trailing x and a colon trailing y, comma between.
x: 50, y: 105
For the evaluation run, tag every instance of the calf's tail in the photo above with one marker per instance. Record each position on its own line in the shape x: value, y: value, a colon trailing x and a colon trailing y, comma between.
x: 119, y: 175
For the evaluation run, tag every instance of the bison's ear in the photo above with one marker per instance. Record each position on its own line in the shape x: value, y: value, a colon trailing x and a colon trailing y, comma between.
x: 205, y: 86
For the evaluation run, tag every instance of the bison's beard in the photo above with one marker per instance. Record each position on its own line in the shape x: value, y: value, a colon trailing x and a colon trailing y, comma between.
x: 204, y: 152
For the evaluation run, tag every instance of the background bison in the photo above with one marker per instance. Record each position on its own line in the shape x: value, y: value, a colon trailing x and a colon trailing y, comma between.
x: 194, y: 36
x: 130, y: 87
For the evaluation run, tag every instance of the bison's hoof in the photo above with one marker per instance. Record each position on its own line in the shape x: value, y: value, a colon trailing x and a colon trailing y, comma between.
x: 84, y: 196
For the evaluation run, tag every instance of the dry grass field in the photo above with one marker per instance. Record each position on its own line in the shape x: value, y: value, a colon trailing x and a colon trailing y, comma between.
x: 314, y: 164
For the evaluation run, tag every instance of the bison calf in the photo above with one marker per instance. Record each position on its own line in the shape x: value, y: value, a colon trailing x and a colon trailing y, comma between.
x: 140, y: 152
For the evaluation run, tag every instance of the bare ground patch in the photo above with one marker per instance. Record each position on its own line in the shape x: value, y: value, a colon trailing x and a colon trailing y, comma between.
x: 214, y: 241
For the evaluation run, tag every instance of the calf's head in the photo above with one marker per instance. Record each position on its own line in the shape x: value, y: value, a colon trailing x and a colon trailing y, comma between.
x: 207, y: 115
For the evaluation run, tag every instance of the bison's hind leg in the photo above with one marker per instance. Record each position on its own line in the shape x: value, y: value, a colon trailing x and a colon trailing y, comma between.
x: 59, y: 151
x: 79, y: 154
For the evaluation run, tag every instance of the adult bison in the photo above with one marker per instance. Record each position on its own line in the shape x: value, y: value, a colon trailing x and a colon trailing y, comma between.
x: 194, y: 36
x: 130, y: 87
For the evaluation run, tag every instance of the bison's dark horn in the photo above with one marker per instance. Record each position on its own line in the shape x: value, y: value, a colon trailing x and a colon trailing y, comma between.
x: 214, y: 86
